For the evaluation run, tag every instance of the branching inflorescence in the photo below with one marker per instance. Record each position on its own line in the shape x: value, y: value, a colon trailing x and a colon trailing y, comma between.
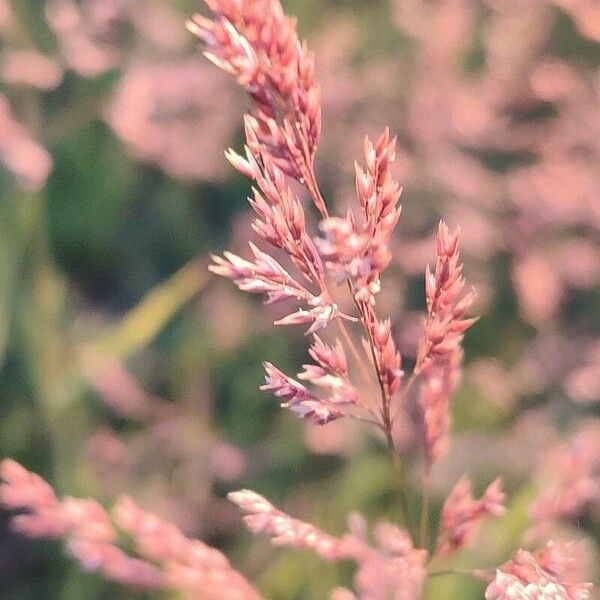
x: 258, y: 44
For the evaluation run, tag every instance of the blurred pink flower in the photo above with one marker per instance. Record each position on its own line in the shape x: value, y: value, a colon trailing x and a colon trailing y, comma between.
x: 555, y: 80
x: 45, y: 515
x: 586, y: 14
x: 583, y: 383
x: 571, y: 477
x: 79, y: 50
x: 30, y: 68
x: 169, y: 559
x: 494, y: 381
x: 538, y: 289
x: 5, y: 15
x: 543, y: 576
x: 169, y: 439
x: 21, y: 154
x: 156, y: 21
x: 227, y: 316
x: 227, y: 462
x: 115, y: 564
x: 189, y: 565
x: 175, y: 115
x: 119, y: 390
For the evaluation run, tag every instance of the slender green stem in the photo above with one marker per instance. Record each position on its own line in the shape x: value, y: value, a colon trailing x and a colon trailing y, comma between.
x: 404, y: 393
x: 402, y: 489
x: 425, y: 508
x: 387, y: 424
x: 478, y: 574
x: 359, y: 361
x: 464, y: 572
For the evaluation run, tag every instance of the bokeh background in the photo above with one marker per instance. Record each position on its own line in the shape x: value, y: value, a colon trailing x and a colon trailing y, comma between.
x: 126, y: 367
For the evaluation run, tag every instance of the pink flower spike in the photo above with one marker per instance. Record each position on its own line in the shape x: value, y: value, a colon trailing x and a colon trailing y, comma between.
x: 246, y: 166
x: 461, y: 514
x: 298, y: 398
x: 263, y: 276
x: 388, y: 358
x: 20, y: 152
x: 394, y: 566
x: 116, y: 565
x: 332, y: 358
x: 320, y: 317
x: 360, y: 252
x: 188, y: 564
x: 263, y: 517
x: 331, y: 373
x: 444, y: 325
x: 258, y: 44
x: 440, y: 355
x: 21, y: 489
